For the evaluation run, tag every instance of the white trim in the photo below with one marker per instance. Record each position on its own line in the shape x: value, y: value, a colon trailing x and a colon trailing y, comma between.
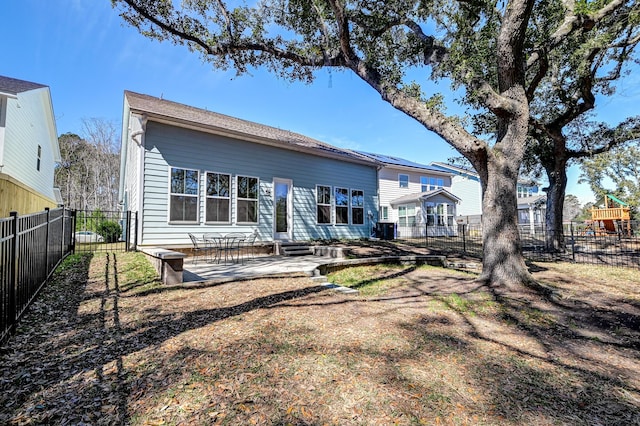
x: 348, y: 206
x: 197, y: 195
x: 318, y: 204
x: 288, y: 235
x: 351, y: 207
x: 400, y: 183
x: 257, y: 199
x: 206, y: 197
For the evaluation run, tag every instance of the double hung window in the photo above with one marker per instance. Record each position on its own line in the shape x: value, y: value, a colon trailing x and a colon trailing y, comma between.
x: 342, y: 205
x: 407, y: 215
x: 183, y: 199
x: 323, y: 204
x: 403, y: 181
x: 218, y: 197
x: 357, y: 207
x: 247, y: 199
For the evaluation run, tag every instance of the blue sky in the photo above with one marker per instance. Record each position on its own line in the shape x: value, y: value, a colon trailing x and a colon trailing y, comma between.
x: 85, y: 53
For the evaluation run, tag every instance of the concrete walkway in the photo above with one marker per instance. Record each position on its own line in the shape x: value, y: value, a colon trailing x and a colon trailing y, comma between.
x: 260, y: 266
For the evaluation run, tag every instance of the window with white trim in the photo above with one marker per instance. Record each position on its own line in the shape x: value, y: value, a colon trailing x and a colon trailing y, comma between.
x: 384, y: 213
x: 218, y: 197
x: 323, y: 204
x: 445, y: 214
x: 183, y: 198
x: 247, y: 199
x: 407, y: 215
x: 39, y: 158
x: 357, y: 207
x: 342, y: 205
x: 430, y: 209
x: 424, y: 184
x: 403, y: 181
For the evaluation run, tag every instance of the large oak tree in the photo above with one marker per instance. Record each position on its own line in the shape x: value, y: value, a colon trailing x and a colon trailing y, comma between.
x: 497, y: 51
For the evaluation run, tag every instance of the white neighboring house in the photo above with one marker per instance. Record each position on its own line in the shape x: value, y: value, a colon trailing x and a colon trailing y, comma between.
x: 465, y: 184
x: 415, y: 197
x: 28, y: 147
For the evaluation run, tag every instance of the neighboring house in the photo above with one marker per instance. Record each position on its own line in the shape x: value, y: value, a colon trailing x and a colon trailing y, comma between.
x: 465, y: 184
x: 188, y: 170
x: 28, y: 147
x: 413, y: 195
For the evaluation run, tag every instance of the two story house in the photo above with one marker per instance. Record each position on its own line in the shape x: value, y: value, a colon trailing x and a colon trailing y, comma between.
x: 29, y: 147
x: 415, y: 197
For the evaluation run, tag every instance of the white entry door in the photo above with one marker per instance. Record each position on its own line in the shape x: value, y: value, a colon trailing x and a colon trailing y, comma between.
x: 282, y: 209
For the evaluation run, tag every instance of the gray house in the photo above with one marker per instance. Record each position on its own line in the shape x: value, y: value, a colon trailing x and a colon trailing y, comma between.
x: 188, y: 170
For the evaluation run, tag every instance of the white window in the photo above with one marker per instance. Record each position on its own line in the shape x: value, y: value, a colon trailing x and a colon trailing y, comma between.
x: 342, y: 205
x: 39, y: 158
x: 403, y: 181
x: 384, y: 213
x: 357, y: 207
x: 183, y: 198
x: 424, y: 184
x: 445, y: 214
x: 323, y: 204
x: 407, y: 215
x: 247, y: 199
x: 218, y: 197
x: 430, y: 209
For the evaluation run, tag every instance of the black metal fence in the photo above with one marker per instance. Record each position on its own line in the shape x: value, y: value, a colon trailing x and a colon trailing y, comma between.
x: 105, y: 231
x: 581, y: 243
x: 31, y: 247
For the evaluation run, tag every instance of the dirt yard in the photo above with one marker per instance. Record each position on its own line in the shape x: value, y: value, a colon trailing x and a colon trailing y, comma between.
x: 107, y: 344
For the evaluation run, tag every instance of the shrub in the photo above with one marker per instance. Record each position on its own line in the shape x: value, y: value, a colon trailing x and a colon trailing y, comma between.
x: 110, y: 231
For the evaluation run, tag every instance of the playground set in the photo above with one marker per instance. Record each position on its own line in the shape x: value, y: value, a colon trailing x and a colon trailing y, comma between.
x: 614, y: 218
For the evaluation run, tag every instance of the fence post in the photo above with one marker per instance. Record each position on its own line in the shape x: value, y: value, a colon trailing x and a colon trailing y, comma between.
x: 127, y: 232
x: 464, y: 238
x: 573, y: 242
x: 135, y: 234
x: 13, y: 275
x: 46, y: 240
x: 72, y: 231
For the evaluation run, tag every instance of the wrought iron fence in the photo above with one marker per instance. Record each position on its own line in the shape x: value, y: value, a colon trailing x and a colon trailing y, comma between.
x: 580, y: 244
x: 105, y: 231
x: 31, y: 246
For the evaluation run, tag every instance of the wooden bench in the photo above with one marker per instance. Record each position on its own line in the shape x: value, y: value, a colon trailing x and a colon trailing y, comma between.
x: 168, y: 263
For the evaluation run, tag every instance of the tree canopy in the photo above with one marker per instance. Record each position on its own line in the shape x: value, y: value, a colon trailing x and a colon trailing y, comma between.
x: 503, y: 54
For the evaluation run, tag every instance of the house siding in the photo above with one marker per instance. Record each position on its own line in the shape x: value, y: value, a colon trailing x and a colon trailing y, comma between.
x: 27, y: 123
x: 167, y: 146
x: 470, y: 193
x: 390, y: 187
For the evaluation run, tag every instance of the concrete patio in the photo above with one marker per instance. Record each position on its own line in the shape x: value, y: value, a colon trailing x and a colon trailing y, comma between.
x: 259, y: 266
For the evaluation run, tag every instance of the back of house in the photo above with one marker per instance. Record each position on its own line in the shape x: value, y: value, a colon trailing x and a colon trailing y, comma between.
x: 187, y: 170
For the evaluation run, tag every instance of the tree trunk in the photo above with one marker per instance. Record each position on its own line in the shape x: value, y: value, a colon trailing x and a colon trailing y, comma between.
x: 503, y: 266
x: 557, y: 175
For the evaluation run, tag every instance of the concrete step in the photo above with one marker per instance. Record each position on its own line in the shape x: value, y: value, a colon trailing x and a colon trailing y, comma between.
x: 290, y: 250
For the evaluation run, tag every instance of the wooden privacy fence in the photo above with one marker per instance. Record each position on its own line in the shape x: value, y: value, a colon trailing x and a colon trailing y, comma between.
x: 31, y: 247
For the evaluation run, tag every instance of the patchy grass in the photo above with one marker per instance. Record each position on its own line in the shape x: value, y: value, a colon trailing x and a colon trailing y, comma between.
x: 106, y: 343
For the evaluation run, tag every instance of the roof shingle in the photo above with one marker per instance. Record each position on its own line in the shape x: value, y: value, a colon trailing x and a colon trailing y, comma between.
x: 175, y: 111
x: 14, y: 86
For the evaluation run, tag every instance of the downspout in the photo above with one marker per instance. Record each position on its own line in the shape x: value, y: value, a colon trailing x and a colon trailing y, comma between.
x: 3, y: 125
x: 141, y: 126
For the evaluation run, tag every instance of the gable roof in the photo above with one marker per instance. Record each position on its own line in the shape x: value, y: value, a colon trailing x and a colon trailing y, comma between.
x: 175, y: 113
x: 423, y: 196
x: 389, y: 160
x: 533, y: 201
x: 12, y: 86
x: 458, y: 170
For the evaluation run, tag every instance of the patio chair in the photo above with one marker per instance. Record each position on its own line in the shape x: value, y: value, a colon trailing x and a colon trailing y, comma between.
x: 249, y: 244
x: 199, y: 248
x: 235, y: 244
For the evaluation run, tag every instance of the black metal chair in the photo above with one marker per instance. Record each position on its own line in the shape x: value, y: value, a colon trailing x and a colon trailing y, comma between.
x: 199, y: 248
